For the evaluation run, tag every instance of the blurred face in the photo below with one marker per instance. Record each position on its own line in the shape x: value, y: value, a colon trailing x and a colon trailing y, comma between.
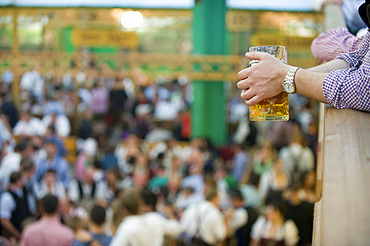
x: 19, y: 183
x: 50, y: 178
x: 272, y: 213
x: 26, y: 116
x: 53, y: 117
x: 176, y: 163
x: 310, y: 179
x: 235, y: 202
x: 140, y: 178
x: 132, y: 141
x: 51, y: 149
x: 89, y: 175
x: 111, y: 177
x: 278, y: 166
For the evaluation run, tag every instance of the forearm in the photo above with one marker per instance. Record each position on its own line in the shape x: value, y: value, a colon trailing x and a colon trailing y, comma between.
x: 310, y: 84
x: 329, y: 66
x: 8, y: 226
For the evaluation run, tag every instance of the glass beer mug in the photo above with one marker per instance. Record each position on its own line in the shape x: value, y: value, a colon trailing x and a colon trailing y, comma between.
x: 274, y: 108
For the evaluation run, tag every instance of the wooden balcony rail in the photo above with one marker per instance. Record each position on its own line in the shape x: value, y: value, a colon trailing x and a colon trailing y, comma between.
x: 342, y: 216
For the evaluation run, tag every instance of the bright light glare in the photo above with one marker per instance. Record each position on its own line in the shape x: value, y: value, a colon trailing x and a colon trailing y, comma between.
x: 132, y: 20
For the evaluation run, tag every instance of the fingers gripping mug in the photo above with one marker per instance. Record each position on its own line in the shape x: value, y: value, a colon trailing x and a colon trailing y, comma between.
x: 275, y: 108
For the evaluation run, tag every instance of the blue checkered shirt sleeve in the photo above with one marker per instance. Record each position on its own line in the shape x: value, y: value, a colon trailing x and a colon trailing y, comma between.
x: 350, y: 88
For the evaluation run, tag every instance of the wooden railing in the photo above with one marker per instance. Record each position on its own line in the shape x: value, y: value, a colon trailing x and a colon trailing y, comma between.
x: 342, y: 214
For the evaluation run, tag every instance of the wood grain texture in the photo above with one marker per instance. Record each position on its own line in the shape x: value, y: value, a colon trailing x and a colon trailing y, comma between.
x: 346, y: 178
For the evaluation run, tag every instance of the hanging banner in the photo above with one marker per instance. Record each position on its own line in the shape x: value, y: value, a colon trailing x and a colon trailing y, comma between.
x: 115, y: 38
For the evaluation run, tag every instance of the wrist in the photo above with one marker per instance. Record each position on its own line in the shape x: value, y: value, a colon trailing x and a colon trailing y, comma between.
x: 289, y: 85
x: 283, y: 73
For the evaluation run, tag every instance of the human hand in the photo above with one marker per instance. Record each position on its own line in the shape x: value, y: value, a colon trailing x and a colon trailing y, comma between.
x: 262, y: 80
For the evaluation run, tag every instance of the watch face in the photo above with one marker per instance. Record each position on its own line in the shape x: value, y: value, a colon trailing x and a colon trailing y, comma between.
x: 288, y: 87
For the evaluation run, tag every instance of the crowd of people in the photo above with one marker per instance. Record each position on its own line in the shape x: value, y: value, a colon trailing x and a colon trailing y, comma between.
x: 139, y: 178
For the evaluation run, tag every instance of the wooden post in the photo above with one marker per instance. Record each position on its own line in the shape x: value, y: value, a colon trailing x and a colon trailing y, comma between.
x: 342, y: 216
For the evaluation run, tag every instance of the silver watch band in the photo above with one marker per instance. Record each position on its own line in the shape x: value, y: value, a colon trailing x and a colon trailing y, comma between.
x: 289, y: 78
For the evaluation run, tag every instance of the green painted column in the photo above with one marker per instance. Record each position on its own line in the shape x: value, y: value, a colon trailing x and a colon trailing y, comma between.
x: 69, y: 46
x: 209, y: 106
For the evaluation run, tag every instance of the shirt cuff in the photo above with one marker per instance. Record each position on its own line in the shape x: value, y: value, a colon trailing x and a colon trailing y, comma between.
x: 331, y: 87
x: 352, y: 62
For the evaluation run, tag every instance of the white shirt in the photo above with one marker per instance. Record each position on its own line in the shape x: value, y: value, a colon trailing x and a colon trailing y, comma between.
x: 160, y: 227
x: 288, y: 232
x: 74, y: 190
x: 7, y: 204
x: 268, y: 180
x: 31, y: 128
x: 165, y: 110
x: 158, y: 135
x: 57, y: 189
x: 32, y: 81
x: 303, y: 155
x: 205, y: 221
x: 238, y: 219
x: 10, y: 163
x: 135, y: 230
x: 62, y: 125
x: 5, y: 135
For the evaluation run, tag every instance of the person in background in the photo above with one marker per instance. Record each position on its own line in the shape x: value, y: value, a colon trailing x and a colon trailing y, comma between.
x: 240, y: 162
x: 162, y: 226
x: 60, y: 122
x: 6, y: 136
x: 117, y: 100
x: 243, y: 218
x: 250, y: 193
x: 53, y: 161
x: 203, y: 223
x: 95, y: 234
x: 349, y: 10
x: 133, y: 230
x: 11, y: 163
x: 28, y: 126
x: 14, y: 207
x: 28, y: 169
x: 273, y: 183
x: 307, y: 190
x: 9, y: 111
x: 48, y: 230
x: 301, y: 213
x: 297, y: 157
x: 50, y: 185
x: 89, y: 190
x: 262, y: 159
x: 333, y: 42
x: 273, y: 228
x: 99, y: 100
x: 86, y: 158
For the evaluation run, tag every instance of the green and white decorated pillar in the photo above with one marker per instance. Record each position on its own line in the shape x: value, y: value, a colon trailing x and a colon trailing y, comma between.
x: 209, y: 118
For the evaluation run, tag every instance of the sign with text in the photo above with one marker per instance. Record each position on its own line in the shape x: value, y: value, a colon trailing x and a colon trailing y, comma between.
x: 295, y: 43
x: 92, y: 37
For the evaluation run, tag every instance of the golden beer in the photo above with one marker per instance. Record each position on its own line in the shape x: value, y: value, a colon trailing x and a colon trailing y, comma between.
x: 275, y: 108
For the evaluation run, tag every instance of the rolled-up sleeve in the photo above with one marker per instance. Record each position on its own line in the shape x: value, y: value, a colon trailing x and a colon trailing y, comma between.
x: 350, y: 88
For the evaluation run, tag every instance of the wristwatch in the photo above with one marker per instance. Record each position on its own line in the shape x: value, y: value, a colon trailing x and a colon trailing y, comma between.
x: 289, y: 85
